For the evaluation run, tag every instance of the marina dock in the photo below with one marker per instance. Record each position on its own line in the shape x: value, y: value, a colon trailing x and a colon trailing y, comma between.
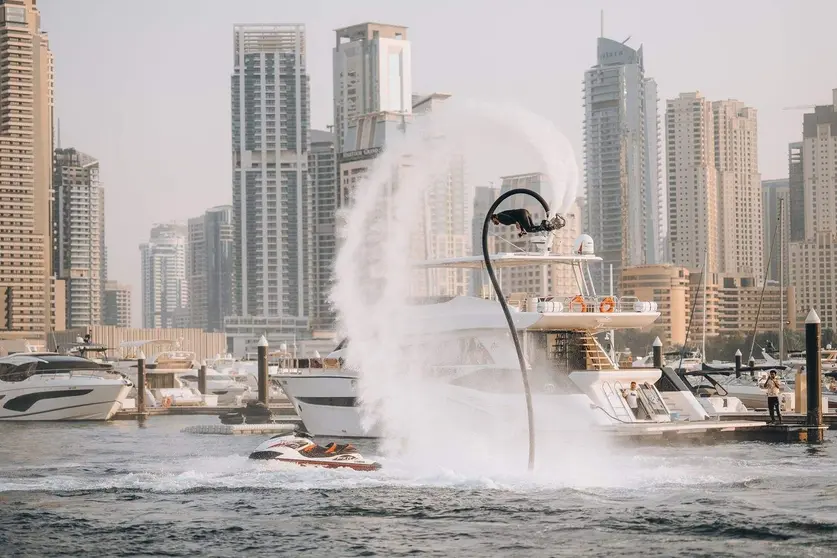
x: 284, y: 410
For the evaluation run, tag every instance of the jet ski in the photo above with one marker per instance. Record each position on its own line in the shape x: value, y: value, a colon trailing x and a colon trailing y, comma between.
x: 294, y: 448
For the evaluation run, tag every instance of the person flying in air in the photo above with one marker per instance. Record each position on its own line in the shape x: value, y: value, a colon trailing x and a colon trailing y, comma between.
x: 523, y: 219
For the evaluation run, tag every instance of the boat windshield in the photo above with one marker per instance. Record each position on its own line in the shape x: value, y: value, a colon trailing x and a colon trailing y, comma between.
x: 18, y: 370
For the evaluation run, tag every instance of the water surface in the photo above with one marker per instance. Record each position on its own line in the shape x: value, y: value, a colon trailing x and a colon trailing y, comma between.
x: 116, y: 489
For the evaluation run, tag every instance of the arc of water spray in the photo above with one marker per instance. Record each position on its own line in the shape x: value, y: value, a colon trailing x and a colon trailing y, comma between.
x: 524, y: 375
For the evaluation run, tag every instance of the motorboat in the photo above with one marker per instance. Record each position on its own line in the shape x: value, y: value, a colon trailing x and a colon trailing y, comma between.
x: 225, y: 386
x: 51, y: 386
x: 574, y: 380
x: 296, y: 449
x: 167, y: 362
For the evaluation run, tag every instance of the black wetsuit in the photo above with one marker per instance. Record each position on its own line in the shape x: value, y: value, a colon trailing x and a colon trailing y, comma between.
x: 523, y: 219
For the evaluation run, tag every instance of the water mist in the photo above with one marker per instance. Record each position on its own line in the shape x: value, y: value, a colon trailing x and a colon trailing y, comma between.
x: 427, y: 424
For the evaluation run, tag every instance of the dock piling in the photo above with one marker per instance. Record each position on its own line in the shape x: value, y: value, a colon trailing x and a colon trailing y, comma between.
x: 657, y: 351
x: 202, y: 378
x: 264, y: 393
x: 813, y: 367
x: 141, y: 383
x: 738, y: 363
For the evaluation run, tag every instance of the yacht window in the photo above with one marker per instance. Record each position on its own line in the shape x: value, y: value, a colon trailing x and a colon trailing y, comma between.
x: 16, y: 373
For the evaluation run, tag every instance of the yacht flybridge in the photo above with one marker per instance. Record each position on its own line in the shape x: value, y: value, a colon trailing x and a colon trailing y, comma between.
x: 575, y: 382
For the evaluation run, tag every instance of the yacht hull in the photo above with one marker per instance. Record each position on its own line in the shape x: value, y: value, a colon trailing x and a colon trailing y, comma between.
x: 328, y: 405
x: 53, y: 403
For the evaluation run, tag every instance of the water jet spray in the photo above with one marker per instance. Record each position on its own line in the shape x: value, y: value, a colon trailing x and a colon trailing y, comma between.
x: 527, y: 392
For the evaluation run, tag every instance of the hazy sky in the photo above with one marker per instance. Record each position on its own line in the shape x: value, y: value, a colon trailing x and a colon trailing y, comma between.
x: 144, y: 86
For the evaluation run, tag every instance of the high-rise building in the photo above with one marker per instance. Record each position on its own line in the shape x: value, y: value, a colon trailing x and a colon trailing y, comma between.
x: 692, y: 183
x: 484, y: 197
x: 270, y: 143
x: 210, y: 268
x: 796, y: 185
x: 772, y: 192
x: 196, y: 271
x: 117, y: 307
x: 813, y: 257
x: 625, y: 205
x: 322, y: 203
x: 26, y: 100
x: 79, y: 235
x: 165, y: 288
x: 372, y: 74
x: 739, y: 189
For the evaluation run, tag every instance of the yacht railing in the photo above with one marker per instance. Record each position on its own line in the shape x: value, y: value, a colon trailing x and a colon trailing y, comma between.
x: 580, y: 304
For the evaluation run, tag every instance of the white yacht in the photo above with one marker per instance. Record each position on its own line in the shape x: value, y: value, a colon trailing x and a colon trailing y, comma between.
x: 165, y: 363
x: 50, y: 386
x: 225, y: 386
x: 478, y: 366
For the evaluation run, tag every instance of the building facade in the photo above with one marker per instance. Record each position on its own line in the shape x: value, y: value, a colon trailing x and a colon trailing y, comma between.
x: 625, y: 206
x: 323, y: 205
x: 117, y: 305
x: 739, y: 189
x: 79, y: 235
x: 372, y: 74
x: 165, y: 287
x: 668, y: 286
x: 691, y: 177
x: 484, y: 197
x: 813, y: 181
x: 746, y: 305
x: 26, y: 101
x: 776, y: 194
x: 270, y: 144
x: 209, y: 268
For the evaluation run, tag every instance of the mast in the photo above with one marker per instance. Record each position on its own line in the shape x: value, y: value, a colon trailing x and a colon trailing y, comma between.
x: 781, y: 283
x: 703, y: 346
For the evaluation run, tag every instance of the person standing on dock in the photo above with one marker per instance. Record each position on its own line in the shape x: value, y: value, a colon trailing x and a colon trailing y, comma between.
x: 773, y: 387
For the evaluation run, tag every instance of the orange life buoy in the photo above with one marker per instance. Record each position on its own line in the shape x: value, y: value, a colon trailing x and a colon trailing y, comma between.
x: 607, y: 305
x: 580, y: 300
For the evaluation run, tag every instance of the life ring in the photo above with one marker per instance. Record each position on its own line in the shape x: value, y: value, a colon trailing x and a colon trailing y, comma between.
x: 167, y: 401
x: 608, y: 305
x: 579, y: 299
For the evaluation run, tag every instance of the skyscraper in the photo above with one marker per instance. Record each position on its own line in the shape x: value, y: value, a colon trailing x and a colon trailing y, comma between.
x: 117, y: 306
x: 210, y: 268
x: 625, y: 208
x: 270, y: 143
x: 772, y: 192
x: 26, y: 100
x: 79, y: 235
x: 813, y: 182
x: 739, y: 189
x: 322, y: 204
x: 692, y: 183
x: 372, y: 73
x: 165, y: 288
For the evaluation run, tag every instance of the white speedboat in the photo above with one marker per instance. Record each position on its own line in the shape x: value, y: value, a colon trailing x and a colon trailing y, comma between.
x: 225, y: 386
x: 573, y: 379
x: 302, y: 451
x: 49, y: 386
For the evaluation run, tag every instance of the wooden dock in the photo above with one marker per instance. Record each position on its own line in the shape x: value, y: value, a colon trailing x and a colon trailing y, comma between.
x: 791, y: 419
x: 240, y: 429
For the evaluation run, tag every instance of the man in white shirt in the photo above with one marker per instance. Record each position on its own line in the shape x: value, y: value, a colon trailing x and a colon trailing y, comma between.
x: 632, y: 397
x: 773, y: 387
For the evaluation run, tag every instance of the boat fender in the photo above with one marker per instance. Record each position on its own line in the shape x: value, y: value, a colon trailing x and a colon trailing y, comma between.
x: 549, y: 388
x: 167, y: 402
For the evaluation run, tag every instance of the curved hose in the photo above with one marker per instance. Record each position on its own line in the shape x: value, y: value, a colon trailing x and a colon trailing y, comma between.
x: 502, y: 299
